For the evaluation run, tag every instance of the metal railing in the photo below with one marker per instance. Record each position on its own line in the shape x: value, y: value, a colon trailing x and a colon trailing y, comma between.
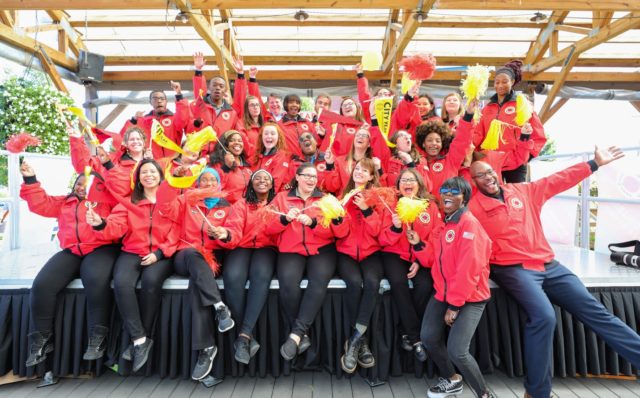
x: 585, y: 198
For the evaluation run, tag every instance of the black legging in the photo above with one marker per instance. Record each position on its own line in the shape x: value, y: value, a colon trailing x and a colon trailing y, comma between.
x: 363, y: 286
x: 95, y: 271
x: 255, y: 265
x: 410, y: 303
x: 203, y: 293
x: 319, y: 268
x: 137, y: 317
x: 516, y: 175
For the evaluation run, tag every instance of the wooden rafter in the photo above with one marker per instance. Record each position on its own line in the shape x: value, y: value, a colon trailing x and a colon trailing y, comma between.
x: 630, y: 21
x: 557, y: 84
x: 28, y: 44
x: 50, y: 69
x: 390, y: 33
x: 566, y: 5
x: 205, y: 30
x: 75, y: 40
x: 552, y: 111
x: 636, y: 104
x: 6, y: 17
x: 409, y: 28
x: 541, y: 44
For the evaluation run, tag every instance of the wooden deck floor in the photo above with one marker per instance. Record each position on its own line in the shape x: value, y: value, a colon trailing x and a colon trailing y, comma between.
x: 301, y: 385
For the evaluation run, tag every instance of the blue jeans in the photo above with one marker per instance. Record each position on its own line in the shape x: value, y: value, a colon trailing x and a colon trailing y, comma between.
x: 535, y: 291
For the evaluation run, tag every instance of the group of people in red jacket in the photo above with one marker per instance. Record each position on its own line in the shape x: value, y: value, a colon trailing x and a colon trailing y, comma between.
x: 247, y: 205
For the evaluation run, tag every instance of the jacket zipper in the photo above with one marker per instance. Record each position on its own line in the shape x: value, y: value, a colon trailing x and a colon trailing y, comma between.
x: 202, y: 229
x: 304, y: 236
x: 150, y: 228
x: 77, y: 232
x: 442, y: 272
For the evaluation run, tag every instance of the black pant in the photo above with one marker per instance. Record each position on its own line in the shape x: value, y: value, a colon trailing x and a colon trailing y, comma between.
x: 410, y: 303
x: 95, y: 271
x: 300, y: 310
x: 515, y: 175
x: 137, y: 317
x: 256, y: 266
x: 363, y: 286
x: 203, y: 293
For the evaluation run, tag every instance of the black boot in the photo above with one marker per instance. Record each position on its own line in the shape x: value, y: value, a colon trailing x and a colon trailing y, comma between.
x: 39, y: 347
x: 349, y: 360
x: 365, y: 357
x: 97, y: 343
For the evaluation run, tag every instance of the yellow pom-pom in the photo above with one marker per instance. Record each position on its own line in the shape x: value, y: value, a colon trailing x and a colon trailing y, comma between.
x: 409, y: 209
x: 87, y: 171
x: 331, y: 209
x: 475, y: 84
x: 494, y: 135
x: 524, y: 110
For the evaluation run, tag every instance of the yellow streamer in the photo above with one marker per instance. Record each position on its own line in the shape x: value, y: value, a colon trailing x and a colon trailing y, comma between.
x: 331, y: 209
x: 197, y: 140
x: 524, y: 110
x: 332, y: 138
x: 383, y: 108
x: 158, y: 136
x: 186, y: 181
x: 409, y: 209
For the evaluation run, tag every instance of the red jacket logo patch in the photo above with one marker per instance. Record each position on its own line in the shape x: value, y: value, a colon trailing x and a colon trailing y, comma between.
x: 219, y: 214
x: 425, y: 218
x: 225, y: 115
x: 510, y: 110
x: 351, y: 130
x: 516, y: 203
x: 437, y: 167
x: 166, y: 122
x: 450, y: 236
x: 304, y: 127
x: 321, y: 167
x: 268, y: 162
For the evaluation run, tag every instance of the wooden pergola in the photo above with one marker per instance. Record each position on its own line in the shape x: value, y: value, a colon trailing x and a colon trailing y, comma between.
x: 558, y: 41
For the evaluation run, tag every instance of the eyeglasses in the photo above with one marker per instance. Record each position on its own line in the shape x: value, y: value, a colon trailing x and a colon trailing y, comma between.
x: 254, y: 105
x: 362, y: 135
x: 309, y: 177
x: 485, y: 174
x: 451, y: 191
x: 408, y: 180
x: 158, y: 98
x: 305, y: 137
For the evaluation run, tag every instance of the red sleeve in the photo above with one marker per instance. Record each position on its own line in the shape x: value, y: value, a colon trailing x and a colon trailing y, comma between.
x: 170, y: 243
x: 405, y: 116
x: 116, y: 224
x: 170, y: 201
x: 239, y: 95
x: 459, y: 145
x: 373, y: 223
x: 275, y: 226
x: 331, y: 181
x: 537, y: 136
x: 254, y: 90
x: 39, y: 202
x: 181, y: 118
x: 425, y: 256
x: 199, y: 86
x: 364, y: 96
x: 235, y: 222
x: 80, y: 156
x: 546, y: 188
x: 473, y: 254
x: 388, y: 235
x: 480, y: 130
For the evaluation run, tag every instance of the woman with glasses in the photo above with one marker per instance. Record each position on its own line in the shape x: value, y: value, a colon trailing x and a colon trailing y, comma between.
x: 401, y: 264
x: 339, y: 168
x: 458, y: 254
x: 305, y: 248
x: 432, y: 136
x: 345, y: 132
x: 272, y: 155
x: 359, y: 263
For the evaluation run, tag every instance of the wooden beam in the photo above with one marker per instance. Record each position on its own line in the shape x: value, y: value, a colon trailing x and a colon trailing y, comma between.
x: 6, y: 18
x: 558, y: 83
x: 552, y: 111
x: 75, y: 41
x: 636, y: 104
x: 410, y: 27
x: 50, y: 69
x: 601, y: 19
x: 26, y: 43
x: 390, y: 33
x: 541, y: 44
x: 42, y: 28
x: 63, y: 41
x: 574, y: 29
x: 117, y: 111
x: 205, y: 30
x: 293, y: 74
x: 340, y: 59
x: 566, y: 5
x: 630, y: 21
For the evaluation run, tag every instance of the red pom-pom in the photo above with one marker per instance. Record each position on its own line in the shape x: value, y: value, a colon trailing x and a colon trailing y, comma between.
x: 19, y: 142
x: 419, y: 66
x: 266, y: 214
x: 383, y: 196
x: 195, y: 195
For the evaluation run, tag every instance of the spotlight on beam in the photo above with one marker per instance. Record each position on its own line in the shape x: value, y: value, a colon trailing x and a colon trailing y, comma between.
x: 301, y: 16
x: 538, y: 17
x: 182, y: 17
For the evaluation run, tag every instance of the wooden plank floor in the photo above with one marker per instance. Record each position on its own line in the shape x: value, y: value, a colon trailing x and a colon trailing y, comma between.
x: 302, y: 385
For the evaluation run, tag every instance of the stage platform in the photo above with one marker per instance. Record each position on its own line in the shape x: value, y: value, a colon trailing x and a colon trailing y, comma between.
x: 497, y: 344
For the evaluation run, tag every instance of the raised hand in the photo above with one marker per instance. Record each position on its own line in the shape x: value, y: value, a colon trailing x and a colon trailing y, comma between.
x: 253, y: 72
x: 175, y: 86
x: 238, y: 64
x: 358, y: 67
x: 396, y: 220
x: 93, y: 218
x: 26, y: 170
x: 471, y: 107
x: 102, y: 155
x: 198, y: 60
x: 603, y: 157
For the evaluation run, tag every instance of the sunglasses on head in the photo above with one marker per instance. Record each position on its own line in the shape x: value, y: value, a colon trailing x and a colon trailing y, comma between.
x: 452, y: 191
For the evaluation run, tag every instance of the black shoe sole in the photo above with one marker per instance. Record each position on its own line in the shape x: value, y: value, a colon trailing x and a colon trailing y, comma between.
x: 367, y: 366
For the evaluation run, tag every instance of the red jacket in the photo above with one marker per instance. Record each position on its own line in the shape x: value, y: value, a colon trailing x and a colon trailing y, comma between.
x: 173, y: 125
x: 245, y: 227
x: 395, y: 166
x: 293, y: 128
x: 234, y: 181
x: 73, y: 231
x: 293, y: 237
x: 318, y: 161
x: 459, y: 261
x: 394, y: 240
x: 514, y: 224
x: 360, y: 239
x: 204, y: 114
x: 444, y: 167
x: 144, y: 228
x: 193, y: 227
x: 507, y: 113
x: 407, y: 117
x: 277, y: 164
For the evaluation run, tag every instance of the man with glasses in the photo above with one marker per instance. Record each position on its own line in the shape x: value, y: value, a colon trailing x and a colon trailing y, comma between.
x: 310, y: 154
x: 172, y: 123
x: 523, y: 264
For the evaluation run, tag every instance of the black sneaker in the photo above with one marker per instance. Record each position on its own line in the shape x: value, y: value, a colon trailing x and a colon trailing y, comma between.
x: 405, y: 343
x: 140, y: 354
x: 97, y: 344
x: 204, y: 363
x: 419, y: 352
x: 304, y: 345
x: 289, y: 349
x: 254, y: 346
x: 223, y: 316
x: 39, y: 348
x: 365, y: 356
x: 444, y: 388
x: 241, y: 348
x: 126, y: 354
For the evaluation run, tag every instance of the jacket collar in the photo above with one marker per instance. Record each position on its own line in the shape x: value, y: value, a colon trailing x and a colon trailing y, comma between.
x: 224, y: 107
x: 296, y: 118
x: 507, y: 98
x: 455, y: 217
x: 167, y: 113
x: 293, y: 193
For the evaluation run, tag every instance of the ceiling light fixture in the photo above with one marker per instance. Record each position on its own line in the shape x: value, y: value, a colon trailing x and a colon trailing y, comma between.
x: 301, y: 16
x: 420, y: 16
x: 538, y: 17
x: 182, y: 17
